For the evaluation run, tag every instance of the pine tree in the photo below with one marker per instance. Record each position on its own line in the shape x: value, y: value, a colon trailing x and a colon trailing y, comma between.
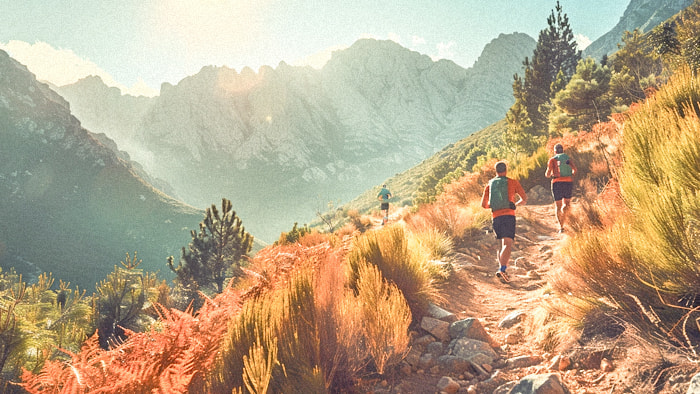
x: 121, y: 299
x: 519, y: 134
x: 553, y: 63
x: 580, y: 104
x: 214, y: 251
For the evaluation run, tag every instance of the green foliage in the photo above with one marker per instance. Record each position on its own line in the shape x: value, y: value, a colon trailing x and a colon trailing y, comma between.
x: 678, y: 40
x: 214, y: 252
x: 553, y: 63
x: 293, y: 235
x: 121, y: 299
x: 581, y: 103
x: 636, y: 59
x: 34, y: 320
x: 520, y: 136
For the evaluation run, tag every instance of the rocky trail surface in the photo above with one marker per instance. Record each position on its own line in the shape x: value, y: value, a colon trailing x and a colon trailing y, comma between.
x: 484, y: 338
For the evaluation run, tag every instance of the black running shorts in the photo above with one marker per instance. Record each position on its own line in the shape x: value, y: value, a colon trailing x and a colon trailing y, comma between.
x: 504, y: 226
x: 385, y: 206
x: 561, y: 190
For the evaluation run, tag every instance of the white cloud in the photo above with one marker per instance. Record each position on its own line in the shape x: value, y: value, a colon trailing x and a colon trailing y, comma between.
x: 394, y: 37
x: 63, y: 66
x: 445, y: 51
x: 416, y: 40
x: 582, y: 41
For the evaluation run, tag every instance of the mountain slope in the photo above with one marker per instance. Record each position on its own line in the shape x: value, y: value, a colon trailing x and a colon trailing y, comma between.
x: 641, y: 14
x: 70, y: 205
x: 282, y: 143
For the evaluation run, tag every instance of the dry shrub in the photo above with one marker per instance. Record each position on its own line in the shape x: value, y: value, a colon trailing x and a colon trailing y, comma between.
x: 455, y: 221
x: 437, y: 247
x: 313, y: 331
x: 272, y: 266
x: 359, y: 222
x: 386, y: 317
x: 388, y: 249
x: 466, y: 189
x: 315, y: 238
x: 552, y: 332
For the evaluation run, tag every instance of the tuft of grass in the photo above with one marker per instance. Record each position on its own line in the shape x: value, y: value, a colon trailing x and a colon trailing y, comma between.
x: 388, y: 249
x: 386, y: 317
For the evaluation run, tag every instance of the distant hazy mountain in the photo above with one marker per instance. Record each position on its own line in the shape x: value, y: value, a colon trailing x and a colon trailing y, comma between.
x: 68, y: 203
x: 641, y: 14
x: 282, y: 143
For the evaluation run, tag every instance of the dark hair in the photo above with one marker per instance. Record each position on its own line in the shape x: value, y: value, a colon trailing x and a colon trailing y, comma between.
x: 559, y: 148
x: 501, y: 167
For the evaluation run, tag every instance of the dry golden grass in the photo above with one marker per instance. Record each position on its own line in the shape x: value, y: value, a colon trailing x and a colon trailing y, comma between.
x: 386, y: 317
x: 456, y: 221
x: 406, y: 267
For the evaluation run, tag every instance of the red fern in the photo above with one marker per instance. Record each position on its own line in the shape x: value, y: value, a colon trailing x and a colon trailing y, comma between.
x: 172, y: 359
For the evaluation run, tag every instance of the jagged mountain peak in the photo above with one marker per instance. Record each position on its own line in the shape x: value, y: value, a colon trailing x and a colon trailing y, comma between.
x: 641, y: 14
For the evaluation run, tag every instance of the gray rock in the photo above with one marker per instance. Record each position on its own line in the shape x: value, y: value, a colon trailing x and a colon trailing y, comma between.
x: 423, y: 341
x: 540, y: 384
x: 470, y: 328
x: 413, y: 357
x: 523, y: 361
x: 454, y: 364
x: 694, y: 387
x: 468, y: 348
x: 436, y: 348
x: 512, y: 319
x: 427, y: 361
x: 441, y: 314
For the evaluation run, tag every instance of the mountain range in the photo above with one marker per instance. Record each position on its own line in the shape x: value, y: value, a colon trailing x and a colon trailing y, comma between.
x: 317, y: 136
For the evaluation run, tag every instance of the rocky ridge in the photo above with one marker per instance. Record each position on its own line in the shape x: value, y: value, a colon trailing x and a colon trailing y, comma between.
x: 75, y: 206
x: 375, y: 109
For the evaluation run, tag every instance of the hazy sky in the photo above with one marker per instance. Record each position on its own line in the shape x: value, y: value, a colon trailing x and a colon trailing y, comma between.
x: 138, y: 44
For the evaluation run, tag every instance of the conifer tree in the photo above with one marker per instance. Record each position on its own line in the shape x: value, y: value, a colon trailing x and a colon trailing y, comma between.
x: 637, y: 55
x: 214, y: 251
x: 581, y: 103
x: 519, y: 133
x: 121, y: 299
x: 553, y: 63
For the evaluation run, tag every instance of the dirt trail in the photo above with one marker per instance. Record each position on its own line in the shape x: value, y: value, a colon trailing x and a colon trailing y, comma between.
x: 474, y: 291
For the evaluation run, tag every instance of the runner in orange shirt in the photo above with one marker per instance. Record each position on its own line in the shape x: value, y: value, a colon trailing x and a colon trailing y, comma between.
x: 499, y: 196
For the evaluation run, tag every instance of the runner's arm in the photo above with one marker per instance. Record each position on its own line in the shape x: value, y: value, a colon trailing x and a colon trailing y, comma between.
x: 549, y: 173
x: 485, y: 198
x: 521, y: 193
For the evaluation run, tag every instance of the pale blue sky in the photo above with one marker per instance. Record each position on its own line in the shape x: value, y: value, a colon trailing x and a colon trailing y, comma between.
x: 147, y: 42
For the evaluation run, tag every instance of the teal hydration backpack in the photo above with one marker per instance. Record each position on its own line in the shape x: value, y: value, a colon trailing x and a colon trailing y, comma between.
x: 498, y: 193
x: 564, y: 166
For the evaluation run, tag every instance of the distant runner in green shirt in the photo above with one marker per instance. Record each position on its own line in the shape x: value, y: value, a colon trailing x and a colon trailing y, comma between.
x: 384, y: 196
